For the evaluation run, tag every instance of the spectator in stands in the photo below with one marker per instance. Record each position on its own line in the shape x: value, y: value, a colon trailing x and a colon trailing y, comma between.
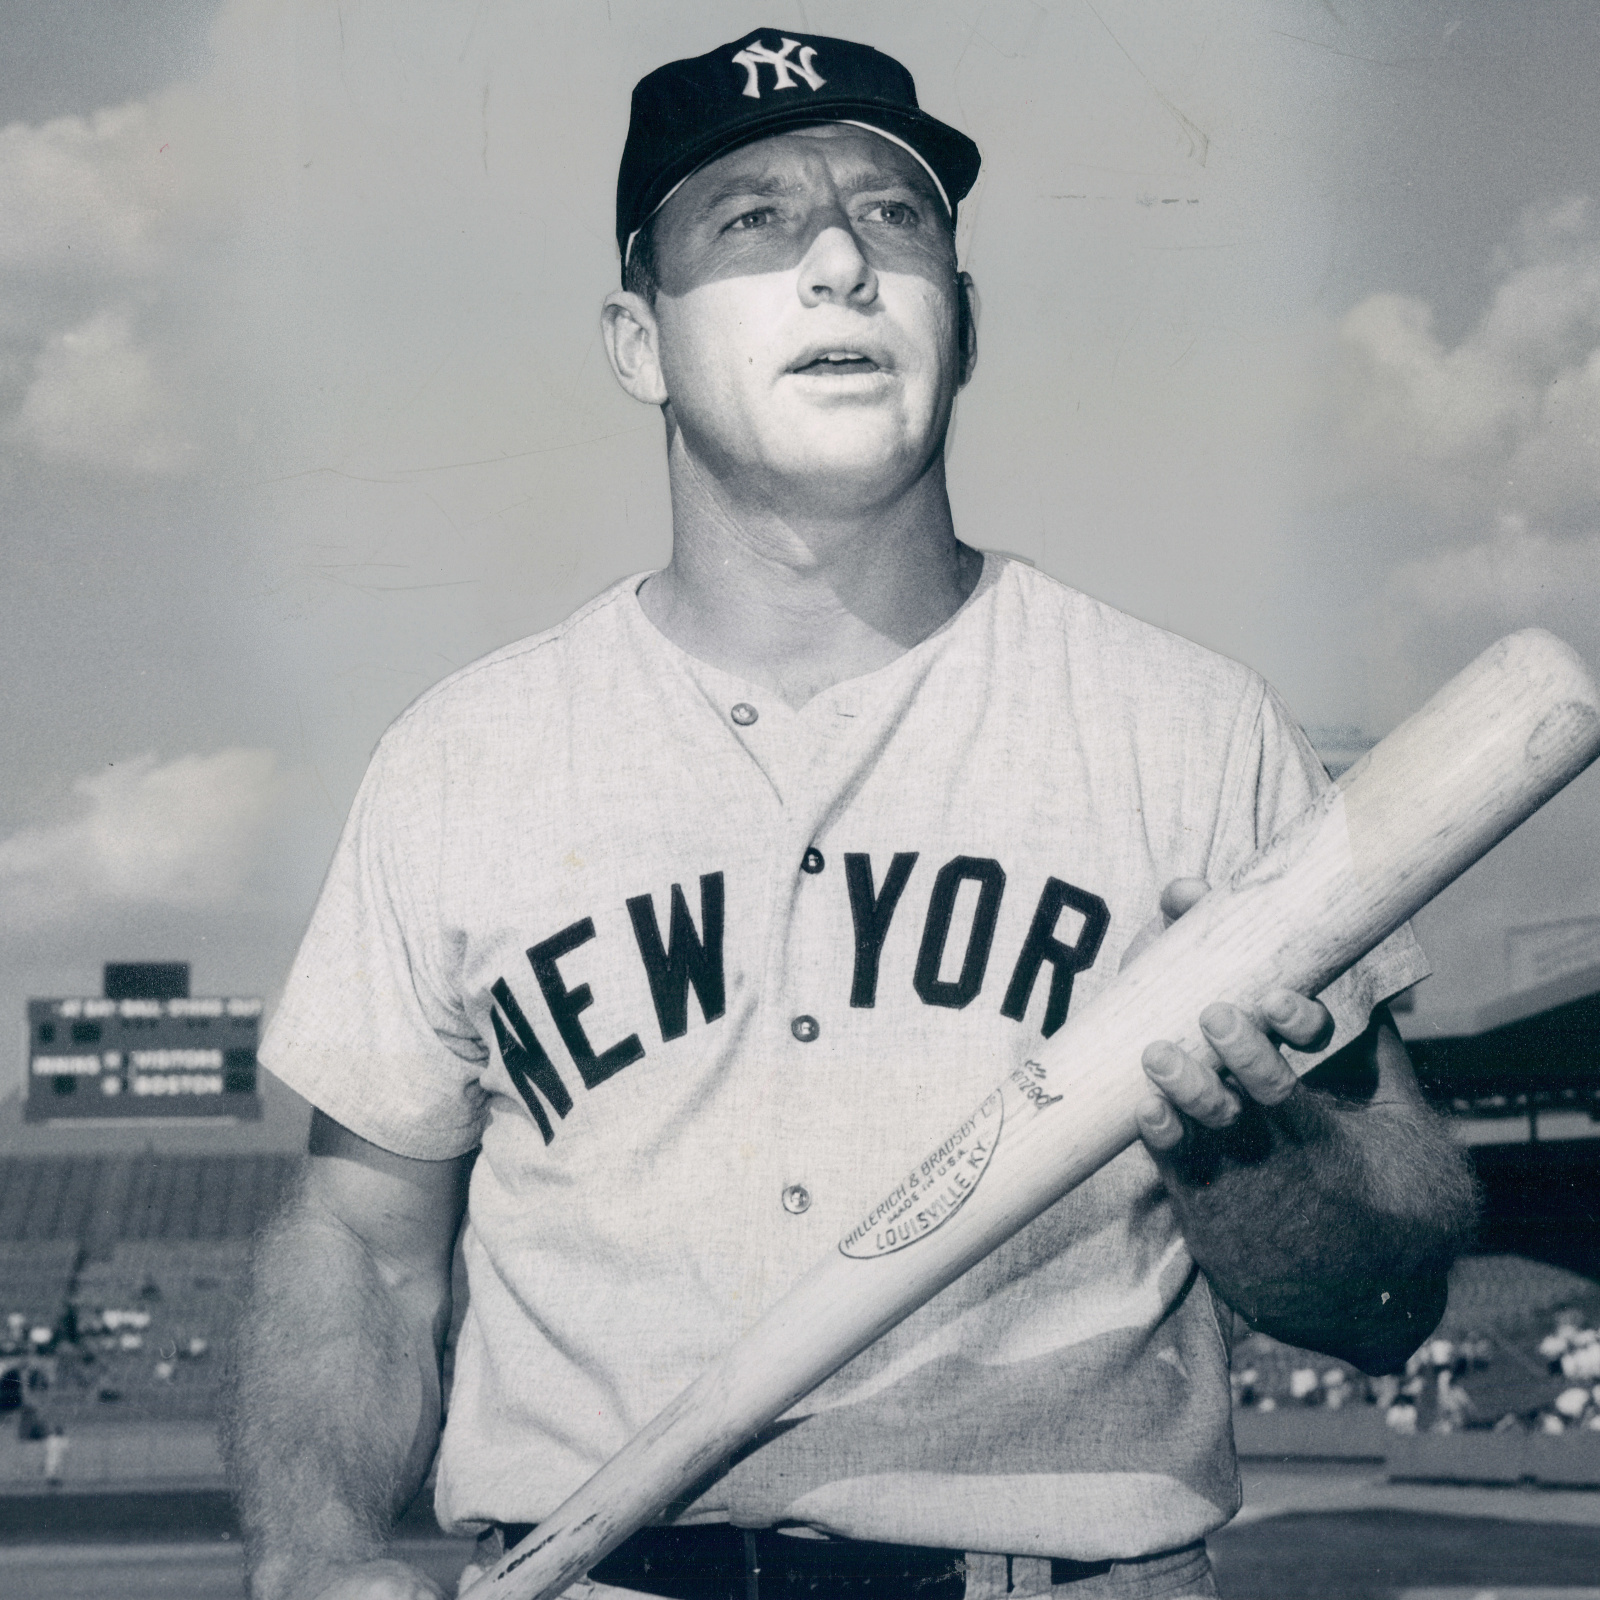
x: 1402, y: 1415
x: 55, y: 1456
x: 1453, y: 1403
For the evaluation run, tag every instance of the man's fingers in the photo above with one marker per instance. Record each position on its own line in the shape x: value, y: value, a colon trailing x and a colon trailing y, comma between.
x: 1296, y: 1019
x: 1178, y: 897
x: 1159, y: 1125
x: 1254, y: 1060
x: 1192, y: 1087
x: 1182, y: 895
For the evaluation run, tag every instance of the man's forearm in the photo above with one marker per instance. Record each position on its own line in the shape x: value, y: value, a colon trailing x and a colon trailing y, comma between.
x: 335, y: 1404
x: 1329, y: 1220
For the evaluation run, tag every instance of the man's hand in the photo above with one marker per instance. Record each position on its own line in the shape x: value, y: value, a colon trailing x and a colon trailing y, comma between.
x: 1250, y: 1055
x: 1325, y: 1210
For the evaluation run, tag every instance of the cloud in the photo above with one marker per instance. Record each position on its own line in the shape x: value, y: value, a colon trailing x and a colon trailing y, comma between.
x: 1493, y: 445
x: 1438, y: 610
x: 184, y: 833
x: 124, y: 208
x: 96, y: 398
x: 85, y: 193
x: 1517, y: 570
x: 1507, y: 420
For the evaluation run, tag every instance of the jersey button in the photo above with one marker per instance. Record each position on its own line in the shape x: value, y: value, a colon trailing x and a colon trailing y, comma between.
x: 796, y: 1198
x: 812, y: 861
x: 805, y: 1029
x: 744, y: 714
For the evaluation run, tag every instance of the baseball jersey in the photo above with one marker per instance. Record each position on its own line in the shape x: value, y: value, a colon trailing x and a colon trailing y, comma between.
x: 700, y: 973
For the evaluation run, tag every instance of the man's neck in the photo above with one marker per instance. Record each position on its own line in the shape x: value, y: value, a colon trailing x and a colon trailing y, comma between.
x: 798, y: 604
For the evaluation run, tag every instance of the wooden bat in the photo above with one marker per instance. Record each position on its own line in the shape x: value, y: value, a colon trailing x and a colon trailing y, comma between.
x: 1418, y: 809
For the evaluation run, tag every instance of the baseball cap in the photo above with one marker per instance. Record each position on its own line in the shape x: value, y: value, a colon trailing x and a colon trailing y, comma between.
x: 689, y: 112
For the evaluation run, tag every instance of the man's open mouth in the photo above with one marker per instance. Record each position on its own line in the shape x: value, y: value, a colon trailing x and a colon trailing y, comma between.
x: 838, y: 361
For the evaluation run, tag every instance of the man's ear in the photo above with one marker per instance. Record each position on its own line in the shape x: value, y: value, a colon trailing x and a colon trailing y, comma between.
x: 966, y: 326
x: 633, y: 344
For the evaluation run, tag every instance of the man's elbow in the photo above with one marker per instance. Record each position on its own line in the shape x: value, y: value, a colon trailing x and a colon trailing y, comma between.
x: 1378, y: 1332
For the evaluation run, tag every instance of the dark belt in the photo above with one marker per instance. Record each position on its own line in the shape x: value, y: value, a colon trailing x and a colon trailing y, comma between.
x: 714, y: 1561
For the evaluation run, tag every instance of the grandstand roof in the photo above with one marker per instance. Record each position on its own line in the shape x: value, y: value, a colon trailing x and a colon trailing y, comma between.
x: 1502, y: 1009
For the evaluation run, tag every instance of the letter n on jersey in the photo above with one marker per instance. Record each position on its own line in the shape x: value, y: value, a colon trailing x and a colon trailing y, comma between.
x: 690, y: 958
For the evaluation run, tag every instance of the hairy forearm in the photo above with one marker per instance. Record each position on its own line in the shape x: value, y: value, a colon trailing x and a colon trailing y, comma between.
x: 1327, y: 1222
x: 335, y: 1401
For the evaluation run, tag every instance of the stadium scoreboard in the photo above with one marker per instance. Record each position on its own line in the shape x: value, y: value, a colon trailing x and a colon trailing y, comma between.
x: 143, y: 1058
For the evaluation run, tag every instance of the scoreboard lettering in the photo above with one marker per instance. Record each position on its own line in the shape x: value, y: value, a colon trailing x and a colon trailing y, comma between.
x: 143, y: 1058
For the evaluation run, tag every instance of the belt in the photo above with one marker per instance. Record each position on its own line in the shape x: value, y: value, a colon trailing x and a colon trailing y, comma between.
x: 715, y: 1561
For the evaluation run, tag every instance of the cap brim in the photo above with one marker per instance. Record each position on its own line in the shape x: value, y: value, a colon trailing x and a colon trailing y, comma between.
x: 951, y: 155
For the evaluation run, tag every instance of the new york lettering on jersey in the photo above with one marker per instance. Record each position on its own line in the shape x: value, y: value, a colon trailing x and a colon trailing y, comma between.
x: 689, y: 959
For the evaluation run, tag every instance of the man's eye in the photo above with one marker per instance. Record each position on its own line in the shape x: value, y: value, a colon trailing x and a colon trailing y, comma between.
x: 895, y: 212
x: 749, y: 220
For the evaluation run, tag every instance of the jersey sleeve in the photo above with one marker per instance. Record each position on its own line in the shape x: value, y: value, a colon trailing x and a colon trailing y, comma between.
x: 1273, y: 776
x: 369, y: 1030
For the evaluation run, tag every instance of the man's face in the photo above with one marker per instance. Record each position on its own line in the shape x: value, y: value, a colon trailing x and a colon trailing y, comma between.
x: 808, y: 315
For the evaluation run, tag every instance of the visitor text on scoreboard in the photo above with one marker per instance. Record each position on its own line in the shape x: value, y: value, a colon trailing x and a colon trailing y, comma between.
x: 143, y: 1058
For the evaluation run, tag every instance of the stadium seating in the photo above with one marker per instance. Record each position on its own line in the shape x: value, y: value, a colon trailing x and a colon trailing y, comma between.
x: 100, y: 1200
x: 160, y: 1243
x: 1502, y: 1312
x: 35, y: 1276
x: 153, y: 1322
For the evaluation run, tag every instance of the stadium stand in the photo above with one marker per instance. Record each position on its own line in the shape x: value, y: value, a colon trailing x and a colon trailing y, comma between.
x: 134, y: 1264
x: 99, y: 1201
x: 1512, y: 1350
x: 152, y: 1324
x: 35, y: 1278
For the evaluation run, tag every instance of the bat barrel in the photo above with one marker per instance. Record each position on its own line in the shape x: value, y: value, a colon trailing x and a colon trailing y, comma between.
x: 1419, y: 808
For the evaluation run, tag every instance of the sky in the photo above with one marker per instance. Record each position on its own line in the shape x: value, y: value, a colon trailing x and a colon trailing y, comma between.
x: 1289, y: 342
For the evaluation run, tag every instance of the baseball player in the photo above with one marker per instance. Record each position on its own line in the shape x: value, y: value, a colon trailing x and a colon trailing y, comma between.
x: 655, y: 941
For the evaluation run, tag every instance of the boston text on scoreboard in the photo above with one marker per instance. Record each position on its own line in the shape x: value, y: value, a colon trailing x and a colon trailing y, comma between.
x: 143, y: 1058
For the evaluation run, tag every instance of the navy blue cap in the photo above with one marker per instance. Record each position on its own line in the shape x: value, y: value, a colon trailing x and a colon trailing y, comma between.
x: 689, y: 112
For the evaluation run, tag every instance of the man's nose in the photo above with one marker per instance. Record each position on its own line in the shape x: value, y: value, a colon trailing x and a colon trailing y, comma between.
x: 834, y: 271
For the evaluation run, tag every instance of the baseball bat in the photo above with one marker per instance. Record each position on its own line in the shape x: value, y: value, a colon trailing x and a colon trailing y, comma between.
x: 1411, y: 815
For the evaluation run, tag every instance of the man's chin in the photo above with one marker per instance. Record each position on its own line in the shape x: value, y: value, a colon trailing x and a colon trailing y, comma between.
x: 854, y: 446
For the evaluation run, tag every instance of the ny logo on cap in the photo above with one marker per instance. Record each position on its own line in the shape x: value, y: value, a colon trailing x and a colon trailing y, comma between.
x: 753, y: 55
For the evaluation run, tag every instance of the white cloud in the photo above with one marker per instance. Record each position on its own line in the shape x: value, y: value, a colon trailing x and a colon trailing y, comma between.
x: 85, y: 193
x: 1508, y: 420
x: 96, y: 398
x: 1438, y: 610
x: 187, y: 833
x: 1517, y: 571
x: 133, y: 206
x: 1494, y: 444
